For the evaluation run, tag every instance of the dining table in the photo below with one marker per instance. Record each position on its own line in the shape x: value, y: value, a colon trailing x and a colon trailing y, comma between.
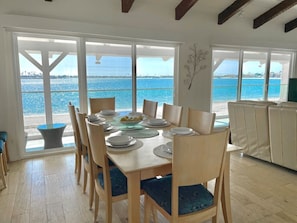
x: 143, y: 163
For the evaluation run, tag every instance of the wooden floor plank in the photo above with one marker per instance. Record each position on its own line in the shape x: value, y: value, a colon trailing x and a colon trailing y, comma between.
x: 44, y: 190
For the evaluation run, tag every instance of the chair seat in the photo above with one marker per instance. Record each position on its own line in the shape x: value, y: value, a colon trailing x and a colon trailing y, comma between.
x: 3, y: 136
x: 191, y: 198
x: 110, y: 163
x: 1, y: 145
x: 118, y: 182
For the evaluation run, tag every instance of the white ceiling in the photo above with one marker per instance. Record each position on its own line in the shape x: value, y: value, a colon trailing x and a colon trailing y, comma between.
x: 98, y: 11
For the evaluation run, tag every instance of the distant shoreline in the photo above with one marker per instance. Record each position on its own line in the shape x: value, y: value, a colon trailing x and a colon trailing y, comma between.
x: 66, y: 77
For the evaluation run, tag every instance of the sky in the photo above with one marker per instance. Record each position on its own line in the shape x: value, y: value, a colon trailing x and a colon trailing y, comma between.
x: 231, y: 67
x: 108, y: 66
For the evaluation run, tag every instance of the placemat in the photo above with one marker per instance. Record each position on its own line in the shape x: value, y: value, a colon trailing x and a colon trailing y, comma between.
x: 161, y: 151
x: 142, y: 133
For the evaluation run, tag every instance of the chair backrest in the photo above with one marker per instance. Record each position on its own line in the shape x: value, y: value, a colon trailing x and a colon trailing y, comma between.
x: 81, y: 122
x: 209, y: 159
x: 97, y: 143
x: 172, y: 113
x: 201, y: 121
x: 100, y: 159
x: 99, y: 104
x: 74, y: 124
x: 150, y: 108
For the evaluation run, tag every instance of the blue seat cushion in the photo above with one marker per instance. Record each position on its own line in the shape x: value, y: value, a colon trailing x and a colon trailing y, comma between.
x: 3, y: 135
x: 118, y: 182
x: 191, y: 198
x: 110, y: 163
x: 1, y: 145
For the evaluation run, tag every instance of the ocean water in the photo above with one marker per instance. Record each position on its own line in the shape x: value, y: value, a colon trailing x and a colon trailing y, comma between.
x: 66, y: 89
x: 159, y: 89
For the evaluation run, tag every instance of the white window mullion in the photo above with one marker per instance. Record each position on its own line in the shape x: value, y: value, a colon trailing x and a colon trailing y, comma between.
x: 82, y: 74
x: 47, y: 88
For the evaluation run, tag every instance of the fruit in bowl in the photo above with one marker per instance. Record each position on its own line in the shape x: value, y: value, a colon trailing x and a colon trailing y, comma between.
x: 131, y: 120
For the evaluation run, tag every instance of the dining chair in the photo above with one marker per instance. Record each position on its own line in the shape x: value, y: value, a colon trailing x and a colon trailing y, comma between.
x: 150, y: 108
x: 87, y: 156
x: 172, y: 113
x: 77, y: 141
x: 5, y: 154
x: 110, y: 183
x: 2, y: 171
x: 181, y: 197
x: 201, y: 121
x: 99, y: 104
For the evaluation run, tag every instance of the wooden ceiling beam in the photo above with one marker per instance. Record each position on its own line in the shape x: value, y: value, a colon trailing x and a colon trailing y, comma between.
x: 183, y: 7
x: 291, y: 25
x: 273, y: 12
x: 126, y: 5
x: 231, y: 10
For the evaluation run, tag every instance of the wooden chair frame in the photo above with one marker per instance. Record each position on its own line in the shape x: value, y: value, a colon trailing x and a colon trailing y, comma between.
x: 172, y: 113
x: 150, y: 108
x: 99, y: 104
x: 209, y: 159
x: 201, y: 121
x: 88, y: 169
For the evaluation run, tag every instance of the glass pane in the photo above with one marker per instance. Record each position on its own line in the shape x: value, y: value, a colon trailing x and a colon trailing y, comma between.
x: 225, y: 80
x: 155, y: 74
x: 48, y: 71
x: 253, y: 75
x: 279, y: 76
x: 109, y: 72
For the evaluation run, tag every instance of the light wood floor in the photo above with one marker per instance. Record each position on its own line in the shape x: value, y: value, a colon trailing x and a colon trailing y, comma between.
x: 45, y: 190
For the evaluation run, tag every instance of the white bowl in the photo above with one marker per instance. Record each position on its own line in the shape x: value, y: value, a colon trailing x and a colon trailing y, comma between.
x: 119, y: 140
x: 181, y: 131
x: 106, y: 126
x: 93, y: 118
x: 156, y: 121
x: 107, y: 112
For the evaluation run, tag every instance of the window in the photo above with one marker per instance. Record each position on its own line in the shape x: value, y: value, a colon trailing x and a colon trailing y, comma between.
x: 249, y: 74
x: 54, y: 70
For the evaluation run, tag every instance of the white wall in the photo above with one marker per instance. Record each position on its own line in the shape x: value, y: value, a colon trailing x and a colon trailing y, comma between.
x: 152, y: 20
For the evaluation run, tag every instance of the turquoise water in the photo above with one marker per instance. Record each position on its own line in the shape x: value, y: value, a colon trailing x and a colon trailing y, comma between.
x: 159, y: 89
x: 66, y: 89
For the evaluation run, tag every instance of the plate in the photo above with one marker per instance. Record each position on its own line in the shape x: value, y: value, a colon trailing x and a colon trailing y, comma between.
x: 135, y: 114
x: 107, y: 112
x: 156, y: 121
x: 94, y: 118
x: 181, y: 131
x: 131, y: 143
x: 122, y: 140
x: 145, y: 123
x: 169, y: 147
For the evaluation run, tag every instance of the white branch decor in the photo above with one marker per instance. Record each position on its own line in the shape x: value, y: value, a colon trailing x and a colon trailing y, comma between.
x: 194, y: 64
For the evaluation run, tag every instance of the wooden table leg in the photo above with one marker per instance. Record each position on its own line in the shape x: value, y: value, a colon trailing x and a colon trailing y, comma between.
x: 133, y: 197
x: 226, y: 203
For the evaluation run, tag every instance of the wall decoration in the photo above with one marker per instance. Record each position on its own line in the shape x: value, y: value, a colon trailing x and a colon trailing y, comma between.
x: 194, y: 64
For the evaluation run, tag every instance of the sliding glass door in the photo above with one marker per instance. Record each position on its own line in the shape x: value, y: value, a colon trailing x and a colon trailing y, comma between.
x: 109, y: 72
x: 249, y: 74
x: 56, y: 70
x: 48, y: 76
